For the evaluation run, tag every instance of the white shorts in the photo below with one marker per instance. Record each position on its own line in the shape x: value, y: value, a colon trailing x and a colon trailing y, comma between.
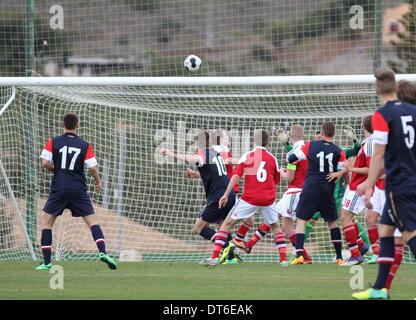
x: 353, y: 202
x: 287, y: 205
x: 243, y: 210
x: 397, y: 233
x: 378, y: 200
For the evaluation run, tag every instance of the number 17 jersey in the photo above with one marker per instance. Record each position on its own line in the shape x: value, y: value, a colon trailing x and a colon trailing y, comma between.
x: 69, y: 153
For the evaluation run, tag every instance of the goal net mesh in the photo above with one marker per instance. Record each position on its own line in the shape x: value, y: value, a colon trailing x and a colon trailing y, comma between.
x: 147, y: 207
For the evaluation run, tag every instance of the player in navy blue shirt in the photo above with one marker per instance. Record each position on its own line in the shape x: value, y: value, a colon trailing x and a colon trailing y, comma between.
x: 211, y: 169
x: 394, y: 154
x: 324, y: 157
x: 65, y: 156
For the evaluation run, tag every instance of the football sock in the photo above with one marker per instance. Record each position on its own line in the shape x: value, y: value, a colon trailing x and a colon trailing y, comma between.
x: 300, y: 240
x: 292, y: 237
x: 220, y: 241
x: 398, y: 257
x: 363, y: 234
x: 98, y: 236
x: 373, y: 235
x: 412, y: 245
x: 308, y: 230
x: 46, y: 245
x: 208, y: 233
x: 337, y: 241
x: 258, y: 235
x: 279, y: 239
x: 385, y: 261
x: 351, y: 240
x: 242, y: 231
x: 360, y: 241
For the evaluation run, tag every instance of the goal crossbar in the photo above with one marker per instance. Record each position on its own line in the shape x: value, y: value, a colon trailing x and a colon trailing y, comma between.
x: 195, y: 81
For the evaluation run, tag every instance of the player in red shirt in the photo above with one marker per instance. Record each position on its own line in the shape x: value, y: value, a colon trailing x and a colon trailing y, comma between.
x: 352, y: 203
x: 261, y: 172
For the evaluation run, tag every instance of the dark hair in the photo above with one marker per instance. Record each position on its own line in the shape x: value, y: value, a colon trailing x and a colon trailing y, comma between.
x: 261, y: 137
x: 406, y: 91
x: 367, y: 124
x: 328, y: 129
x: 217, y: 135
x: 70, y: 121
x: 385, y: 81
x: 203, y: 139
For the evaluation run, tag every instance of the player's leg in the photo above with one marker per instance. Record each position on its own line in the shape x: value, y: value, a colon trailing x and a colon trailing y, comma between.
x: 243, y: 229
x: 81, y: 206
x: 371, y: 219
x: 310, y: 224
x: 308, y: 205
x: 54, y: 207
x: 398, y: 257
x: 48, y: 221
x: 271, y: 217
x: 336, y: 239
x: 259, y: 234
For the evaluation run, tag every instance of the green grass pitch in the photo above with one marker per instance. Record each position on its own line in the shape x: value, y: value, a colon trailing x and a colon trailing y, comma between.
x: 190, y: 281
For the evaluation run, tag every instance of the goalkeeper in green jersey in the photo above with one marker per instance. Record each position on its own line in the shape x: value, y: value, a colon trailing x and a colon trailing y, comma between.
x: 339, y: 191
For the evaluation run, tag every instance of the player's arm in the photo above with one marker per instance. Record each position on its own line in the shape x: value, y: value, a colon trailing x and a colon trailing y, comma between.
x: 380, y: 136
x: 192, y: 174
x: 342, y: 171
x: 182, y: 157
x: 288, y: 173
x: 298, y: 154
x: 92, y: 165
x: 47, y: 156
x: 237, y: 174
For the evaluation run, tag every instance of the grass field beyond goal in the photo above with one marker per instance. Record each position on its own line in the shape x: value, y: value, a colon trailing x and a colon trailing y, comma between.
x: 190, y: 281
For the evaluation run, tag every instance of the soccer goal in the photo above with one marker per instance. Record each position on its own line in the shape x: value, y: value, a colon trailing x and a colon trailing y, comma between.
x: 147, y: 207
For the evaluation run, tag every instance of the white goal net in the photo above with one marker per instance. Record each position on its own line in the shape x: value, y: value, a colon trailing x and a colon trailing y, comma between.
x: 147, y: 207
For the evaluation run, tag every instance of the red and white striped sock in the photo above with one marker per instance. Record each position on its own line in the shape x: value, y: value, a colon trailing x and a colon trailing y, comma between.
x: 258, y: 235
x: 242, y: 231
x: 351, y: 240
x: 398, y: 257
x: 220, y: 239
x: 279, y: 239
x: 373, y: 237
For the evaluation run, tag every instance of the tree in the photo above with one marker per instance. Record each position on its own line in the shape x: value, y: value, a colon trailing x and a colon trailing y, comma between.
x: 406, y: 45
x: 12, y: 42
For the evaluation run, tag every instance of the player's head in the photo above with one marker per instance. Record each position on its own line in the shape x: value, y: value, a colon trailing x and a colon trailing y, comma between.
x: 328, y: 130
x: 318, y: 135
x: 70, y: 121
x: 385, y: 82
x: 203, y: 139
x: 406, y: 91
x: 296, y: 133
x: 221, y: 137
x: 367, y: 126
x: 261, y: 138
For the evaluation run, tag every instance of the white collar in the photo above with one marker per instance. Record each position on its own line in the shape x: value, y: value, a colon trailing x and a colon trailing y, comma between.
x: 366, y: 139
x: 299, y: 143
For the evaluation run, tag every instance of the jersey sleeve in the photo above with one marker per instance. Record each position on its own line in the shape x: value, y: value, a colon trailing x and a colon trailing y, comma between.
x: 299, y: 154
x: 201, y: 158
x: 239, y: 168
x: 381, y: 128
x: 47, y: 151
x: 90, y: 160
x: 341, y: 160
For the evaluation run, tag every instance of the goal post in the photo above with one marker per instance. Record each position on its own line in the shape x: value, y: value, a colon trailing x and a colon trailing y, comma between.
x: 148, y: 207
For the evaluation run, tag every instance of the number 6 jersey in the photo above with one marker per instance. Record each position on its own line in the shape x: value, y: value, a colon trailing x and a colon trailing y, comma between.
x: 261, y: 175
x: 68, y: 152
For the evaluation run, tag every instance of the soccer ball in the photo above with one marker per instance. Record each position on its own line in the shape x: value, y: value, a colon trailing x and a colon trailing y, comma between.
x: 192, y: 63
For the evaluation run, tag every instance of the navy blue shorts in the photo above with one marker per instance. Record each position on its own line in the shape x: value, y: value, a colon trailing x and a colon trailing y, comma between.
x: 213, y: 214
x: 400, y: 210
x: 79, y: 204
x: 313, y: 200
